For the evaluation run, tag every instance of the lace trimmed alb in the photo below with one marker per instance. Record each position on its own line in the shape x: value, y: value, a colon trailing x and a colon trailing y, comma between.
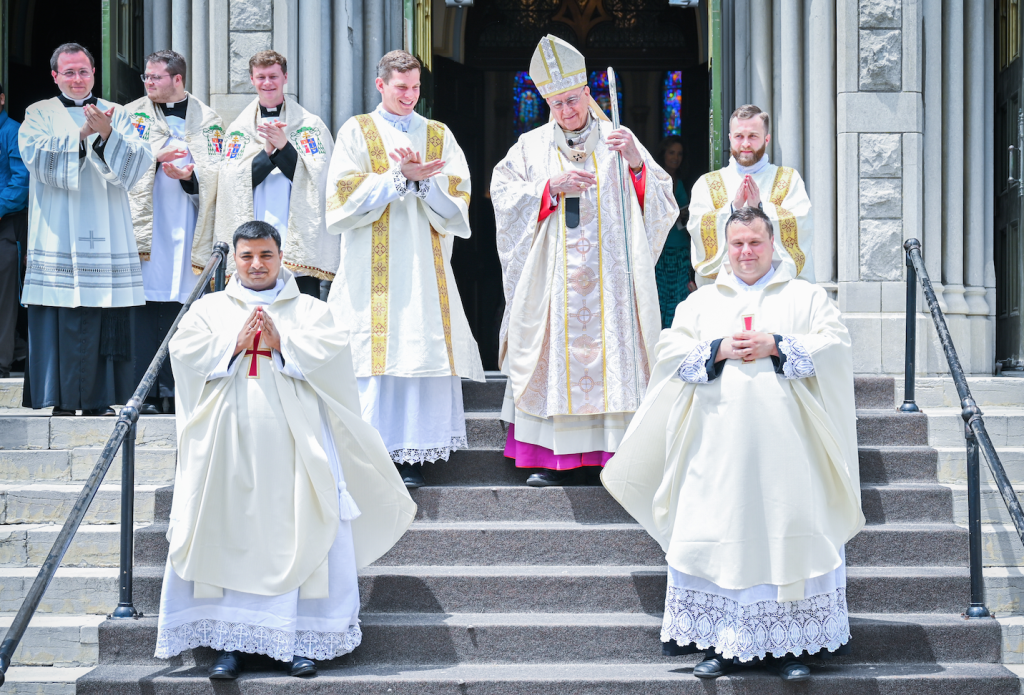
x: 281, y: 645
x: 440, y: 453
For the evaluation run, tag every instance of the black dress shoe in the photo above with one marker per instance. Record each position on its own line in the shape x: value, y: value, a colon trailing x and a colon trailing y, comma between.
x: 549, y: 478
x: 99, y: 412
x: 412, y: 475
x: 227, y: 668
x: 61, y: 412
x: 149, y: 409
x: 713, y: 666
x: 301, y: 666
x: 792, y: 669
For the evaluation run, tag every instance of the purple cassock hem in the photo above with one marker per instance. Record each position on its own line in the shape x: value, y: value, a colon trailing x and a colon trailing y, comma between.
x: 534, y: 456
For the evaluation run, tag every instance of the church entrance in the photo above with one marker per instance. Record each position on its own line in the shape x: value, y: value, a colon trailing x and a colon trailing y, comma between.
x: 482, y: 91
x: 31, y: 29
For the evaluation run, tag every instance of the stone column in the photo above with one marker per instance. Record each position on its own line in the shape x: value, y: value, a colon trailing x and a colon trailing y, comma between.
x: 741, y: 59
x: 821, y: 115
x: 313, y: 17
x: 931, y: 244
x: 761, y: 79
x: 161, y: 25
x: 247, y: 31
x: 181, y: 33
x: 286, y: 42
x: 952, y: 145
x: 373, y: 49
x: 199, y: 66
x: 789, y: 148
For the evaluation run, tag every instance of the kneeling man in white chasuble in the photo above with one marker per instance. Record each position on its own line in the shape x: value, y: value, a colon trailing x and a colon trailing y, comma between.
x: 581, y: 299
x: 742, y: 463
x: 282, y: 490
x: 276, y: 156
x: 82, y: 274
x: 398, y: 194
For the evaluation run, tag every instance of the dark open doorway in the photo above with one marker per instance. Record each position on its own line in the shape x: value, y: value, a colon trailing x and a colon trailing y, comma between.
x: 475, y: 94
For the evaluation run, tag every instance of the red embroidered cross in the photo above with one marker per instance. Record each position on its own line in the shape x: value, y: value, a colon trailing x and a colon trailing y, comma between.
x: 254, y: 365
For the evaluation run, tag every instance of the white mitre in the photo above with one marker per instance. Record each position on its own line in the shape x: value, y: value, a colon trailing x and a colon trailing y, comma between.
x: 557, y: 67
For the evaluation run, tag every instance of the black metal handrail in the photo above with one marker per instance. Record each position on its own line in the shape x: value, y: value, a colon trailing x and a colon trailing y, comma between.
x: 124, y: 433
x: 975, y: 433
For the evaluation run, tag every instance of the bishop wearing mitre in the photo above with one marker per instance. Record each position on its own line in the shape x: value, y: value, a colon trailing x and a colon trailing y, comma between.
x: 750, y: 179
x: 582, y: 213
x: 742, y: 463
x: 398, y: 195
x: 276, y: 156
x: 172, y: 207
x: 282, y: 491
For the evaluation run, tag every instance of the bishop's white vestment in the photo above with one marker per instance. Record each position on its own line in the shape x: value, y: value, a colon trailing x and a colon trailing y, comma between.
x: 747, y: 473
x: 783, y: 198
x: 573, y: 342
x: 411, y: 342
x: 83, y: 263
x: 295, y: 205
x: 282, y: 491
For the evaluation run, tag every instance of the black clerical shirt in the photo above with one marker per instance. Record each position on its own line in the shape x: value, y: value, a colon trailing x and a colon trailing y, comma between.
x: 284, y: 159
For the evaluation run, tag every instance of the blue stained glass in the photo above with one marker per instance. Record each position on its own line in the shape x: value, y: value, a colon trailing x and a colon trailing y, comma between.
x: 530, y: 111
x: 672, y: 104
x: 599, y: 90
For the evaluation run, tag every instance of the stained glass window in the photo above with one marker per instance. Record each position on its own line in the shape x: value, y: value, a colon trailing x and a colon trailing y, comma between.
x: 672, y: 104
x: 599, y: 90
x: 530, y: 110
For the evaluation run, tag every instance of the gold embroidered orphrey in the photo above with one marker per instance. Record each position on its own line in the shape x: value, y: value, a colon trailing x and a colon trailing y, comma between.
x: 378, y: 253
x: 435, y: 146
x: 708, y: 223
x: 788, y: 232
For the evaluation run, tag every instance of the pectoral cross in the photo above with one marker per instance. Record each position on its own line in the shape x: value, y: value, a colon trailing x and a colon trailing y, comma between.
x: 92, y: 239
x: 748, y: 325
x: 254, y: 365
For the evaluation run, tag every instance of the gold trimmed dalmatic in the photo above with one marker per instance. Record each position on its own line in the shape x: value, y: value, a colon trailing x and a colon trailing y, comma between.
x: 783, y: 198
x: 394, y: 288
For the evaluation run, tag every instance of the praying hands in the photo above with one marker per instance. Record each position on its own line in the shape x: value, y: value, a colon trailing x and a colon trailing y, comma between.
x: 260, y: 324
x: 747, y: 345
x: 748, y: 194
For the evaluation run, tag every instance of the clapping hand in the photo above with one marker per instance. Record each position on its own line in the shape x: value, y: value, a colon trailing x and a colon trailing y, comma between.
x: 748, y: 194
x: 180, y: 173
x: 413, y: 167
x: 98, y: 121
x: 274, y: 134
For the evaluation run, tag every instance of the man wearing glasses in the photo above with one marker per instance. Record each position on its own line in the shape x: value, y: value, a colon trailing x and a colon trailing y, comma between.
x: 172, y: 207
x: 575, y: 341
x: 83, y: 271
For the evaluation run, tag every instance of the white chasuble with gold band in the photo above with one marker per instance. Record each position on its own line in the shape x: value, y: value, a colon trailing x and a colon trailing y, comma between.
x: 783, y: 198
x: 567, y: 339
x: 394, y: 289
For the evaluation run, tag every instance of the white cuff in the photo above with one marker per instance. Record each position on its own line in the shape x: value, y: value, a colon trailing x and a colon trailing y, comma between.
x: 798, y: 364
x: 693, y: 369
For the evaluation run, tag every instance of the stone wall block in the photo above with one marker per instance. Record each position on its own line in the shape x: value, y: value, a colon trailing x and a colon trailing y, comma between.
x: 243, y: 46
x: 881, y: 155
x: 880, y: 14
x: 881, y: 60
x: 881, y: 199
x: 252, y: 15
x: 881, y: 250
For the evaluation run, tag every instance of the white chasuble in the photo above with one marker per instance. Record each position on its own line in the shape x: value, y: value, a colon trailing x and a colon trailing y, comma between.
x: 573, y: 341
x: 172, y: 229
x: 751, y: 478
x: 395, y: 290
x: 783, y: 198
x: 296, y: 207
x: 81, y: 246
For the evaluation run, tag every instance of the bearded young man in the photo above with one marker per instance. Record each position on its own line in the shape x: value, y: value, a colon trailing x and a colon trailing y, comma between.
x: 276, y: 156
x: 742, y: 463
x: 574, y: 341
x: 398, y: 194
x: 172, y: 207
x: 750, y: 180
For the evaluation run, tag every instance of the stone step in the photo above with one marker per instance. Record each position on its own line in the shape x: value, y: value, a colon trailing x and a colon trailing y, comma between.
x: 1005, y: 426
x: 484, y: 396
x: 43, y: 680
x: 940, y: 392
x: 952, y: 464
x: 888, y: 427
x: 993, y: 508
x: 1001, y: 546
x: 27, y: 545
x: 73, y: 432
x: 37, y: 503
x: 485, y: 430
x: 897, y: 464
x: 73, y: 590
x: 1004, y: 591
x: 906, y: 503
x: 666, y: 678
x: 568, y: 543
x: 630, y: 638
x: 57, y: 640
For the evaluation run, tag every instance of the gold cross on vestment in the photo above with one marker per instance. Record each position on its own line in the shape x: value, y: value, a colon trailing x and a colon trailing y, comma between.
x: 254, y: 365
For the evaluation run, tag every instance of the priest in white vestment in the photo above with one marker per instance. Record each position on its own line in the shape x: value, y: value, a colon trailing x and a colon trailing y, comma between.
x: 282, y: 490
x: 742, y: 463
x: 276, y: 156
x: 82, y: 274
x: 578, y: 242
x: 398, y: 194
x: 750, y: 179
x: 172, y: 207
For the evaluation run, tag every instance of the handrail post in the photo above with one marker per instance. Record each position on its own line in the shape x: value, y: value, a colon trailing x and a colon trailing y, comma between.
x: 219, y: 277
x: 977, y: 608
x: 909, y: 406
x: 125, y: 605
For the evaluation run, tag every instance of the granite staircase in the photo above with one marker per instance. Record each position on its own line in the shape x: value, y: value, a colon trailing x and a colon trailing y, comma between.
x: 500, y: 588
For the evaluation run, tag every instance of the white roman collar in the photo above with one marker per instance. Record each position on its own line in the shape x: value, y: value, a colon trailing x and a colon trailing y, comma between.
x: 752, y: 170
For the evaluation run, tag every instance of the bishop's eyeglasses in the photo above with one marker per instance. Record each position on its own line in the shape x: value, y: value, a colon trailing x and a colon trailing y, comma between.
x: 570, y: 102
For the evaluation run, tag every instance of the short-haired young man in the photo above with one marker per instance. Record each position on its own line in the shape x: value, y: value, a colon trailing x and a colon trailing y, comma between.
x: 398, y: 194
x: 750, y: 179
x: 172, y: 206
x: 276, y: 156
x: 282, y: 490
